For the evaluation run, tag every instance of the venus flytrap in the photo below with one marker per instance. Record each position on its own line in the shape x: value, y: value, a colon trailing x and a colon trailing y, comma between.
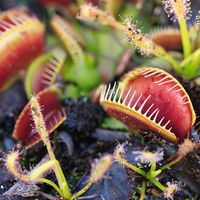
x: 61, y: 29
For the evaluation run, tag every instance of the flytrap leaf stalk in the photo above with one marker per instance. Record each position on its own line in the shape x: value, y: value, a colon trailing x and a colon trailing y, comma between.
x: 36, y: 175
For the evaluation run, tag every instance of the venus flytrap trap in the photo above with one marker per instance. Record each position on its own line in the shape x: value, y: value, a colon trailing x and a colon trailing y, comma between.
x: 43, y: 72
x: 169, y: 38
x: 19, y: 30
x: 60, y: 27
x: 139, y: 101
x: 80, y: 60
x: 53, y: 115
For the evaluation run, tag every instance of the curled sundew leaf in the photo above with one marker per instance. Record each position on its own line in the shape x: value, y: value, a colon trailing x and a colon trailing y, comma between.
x: 52, y: 112
x: 168, y: 38
x: 43, y: 71
x: 150, y: 98
x: 21, y: 40
x: 14, y: 167
x: 60, y: 27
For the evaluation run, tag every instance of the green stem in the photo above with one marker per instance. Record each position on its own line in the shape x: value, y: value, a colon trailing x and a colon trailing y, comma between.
x: 129, y: 165
x: 167, y: 166
x: 82, y: 191
x: 166, y: 57
x: 173, y: 162
x: 162, y: 54
x: 153, y: 167
x: 143, y: 189
x: 58, y: 172
x: 49, y: 182
x: 62, y: 182
x: 185, y: 37
x: 158, y: 184
x: 151, y: 178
